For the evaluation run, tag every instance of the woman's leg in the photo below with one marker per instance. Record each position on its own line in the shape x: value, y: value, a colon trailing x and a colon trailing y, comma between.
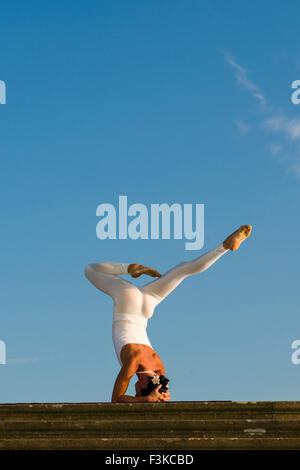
x: 162, y: 287
x: 105, y: 277
x: 107, y: 283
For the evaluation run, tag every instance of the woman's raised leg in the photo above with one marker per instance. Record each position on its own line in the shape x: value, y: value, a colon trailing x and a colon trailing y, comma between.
x: 162, y: 286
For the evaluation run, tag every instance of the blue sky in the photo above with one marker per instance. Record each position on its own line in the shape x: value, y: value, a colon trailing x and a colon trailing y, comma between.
x: 172, y: 101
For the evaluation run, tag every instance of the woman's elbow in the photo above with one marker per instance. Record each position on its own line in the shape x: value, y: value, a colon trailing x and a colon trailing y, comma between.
x: 115, y: 399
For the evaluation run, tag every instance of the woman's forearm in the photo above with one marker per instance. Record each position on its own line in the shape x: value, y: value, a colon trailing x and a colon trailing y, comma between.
x: 131, y: 399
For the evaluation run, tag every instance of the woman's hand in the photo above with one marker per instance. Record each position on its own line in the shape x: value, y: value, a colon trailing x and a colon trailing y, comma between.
x: 155, y: 396
x: 137, y: 270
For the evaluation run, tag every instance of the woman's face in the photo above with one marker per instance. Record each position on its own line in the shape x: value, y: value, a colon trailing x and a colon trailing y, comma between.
x: 138, y: 389
x: 141, y: 383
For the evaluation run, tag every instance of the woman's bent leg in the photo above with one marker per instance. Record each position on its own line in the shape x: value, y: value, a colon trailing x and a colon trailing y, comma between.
x: 127, y: 297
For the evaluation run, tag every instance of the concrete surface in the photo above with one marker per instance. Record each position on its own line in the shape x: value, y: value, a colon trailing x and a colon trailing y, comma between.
x: 173, y: 425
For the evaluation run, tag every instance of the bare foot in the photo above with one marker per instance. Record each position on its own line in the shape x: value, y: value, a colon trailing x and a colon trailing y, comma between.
x: 236, y: 238
x: 137, y: 270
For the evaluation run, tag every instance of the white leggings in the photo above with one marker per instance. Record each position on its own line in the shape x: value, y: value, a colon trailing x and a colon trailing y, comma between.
x: 134, y: 305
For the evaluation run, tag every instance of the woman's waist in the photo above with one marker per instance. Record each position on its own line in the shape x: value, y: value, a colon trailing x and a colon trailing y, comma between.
x: 135, y: 318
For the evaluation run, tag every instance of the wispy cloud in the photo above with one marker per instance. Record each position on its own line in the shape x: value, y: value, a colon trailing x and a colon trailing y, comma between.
x: 286, y: 129
x: 242, y: 127
x: 274, y: 149
x: 22, y: 360
x: 290, y: 127
x: 241, y: 75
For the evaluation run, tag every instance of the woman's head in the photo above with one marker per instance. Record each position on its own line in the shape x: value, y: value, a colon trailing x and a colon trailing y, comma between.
x: 147, y: 384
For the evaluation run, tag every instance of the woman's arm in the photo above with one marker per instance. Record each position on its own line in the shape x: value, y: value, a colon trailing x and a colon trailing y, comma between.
x: 125, y: 375
x: 130, y: 367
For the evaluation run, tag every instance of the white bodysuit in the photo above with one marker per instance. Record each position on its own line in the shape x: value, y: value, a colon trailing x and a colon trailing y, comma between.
x: 133, y: 305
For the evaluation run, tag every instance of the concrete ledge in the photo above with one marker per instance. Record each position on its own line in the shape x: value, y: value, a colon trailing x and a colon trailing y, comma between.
x: 174, y: 425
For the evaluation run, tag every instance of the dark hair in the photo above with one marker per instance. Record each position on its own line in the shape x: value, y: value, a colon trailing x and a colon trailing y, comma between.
x: 151, y: 386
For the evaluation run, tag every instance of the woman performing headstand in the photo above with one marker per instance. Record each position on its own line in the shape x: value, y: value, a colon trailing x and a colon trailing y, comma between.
x: 133, y: 306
